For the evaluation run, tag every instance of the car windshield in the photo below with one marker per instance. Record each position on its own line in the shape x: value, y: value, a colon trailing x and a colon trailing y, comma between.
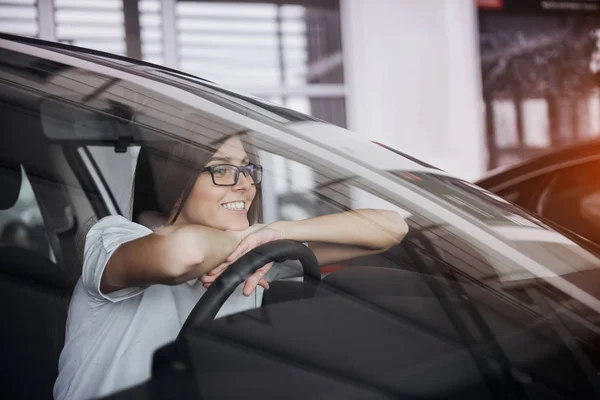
x: 506, y: 291
x: 198, y: 86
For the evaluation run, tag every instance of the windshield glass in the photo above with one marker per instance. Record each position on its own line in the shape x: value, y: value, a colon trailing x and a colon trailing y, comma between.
x: 198, y: 86
x: 498, y: 278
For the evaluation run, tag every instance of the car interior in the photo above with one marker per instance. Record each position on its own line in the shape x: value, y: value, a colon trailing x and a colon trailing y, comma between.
x: 36, y: 287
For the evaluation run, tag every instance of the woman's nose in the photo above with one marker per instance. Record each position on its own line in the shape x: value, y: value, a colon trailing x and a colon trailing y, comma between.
x: 244, y: 183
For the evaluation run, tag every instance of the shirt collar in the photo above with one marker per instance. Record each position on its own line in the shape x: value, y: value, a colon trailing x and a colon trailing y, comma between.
x: 192, y: 282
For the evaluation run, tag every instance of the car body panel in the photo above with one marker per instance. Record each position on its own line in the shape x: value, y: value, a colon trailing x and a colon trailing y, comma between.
x: 551, y: 161
x: 534, y: 184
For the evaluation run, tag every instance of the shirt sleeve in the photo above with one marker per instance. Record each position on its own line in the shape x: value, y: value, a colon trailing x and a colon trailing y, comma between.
x: 100, y: 243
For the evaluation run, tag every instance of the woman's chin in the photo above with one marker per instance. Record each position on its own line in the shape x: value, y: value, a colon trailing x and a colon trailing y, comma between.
x: 236, y: 226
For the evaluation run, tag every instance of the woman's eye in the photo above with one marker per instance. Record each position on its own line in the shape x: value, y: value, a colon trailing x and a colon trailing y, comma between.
x: 220, y: 171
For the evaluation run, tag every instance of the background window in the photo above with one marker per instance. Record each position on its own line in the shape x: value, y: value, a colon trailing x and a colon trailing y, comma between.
x: 21, y: 225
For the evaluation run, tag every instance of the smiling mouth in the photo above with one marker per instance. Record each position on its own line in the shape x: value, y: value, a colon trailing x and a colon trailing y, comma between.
x: 234, y: 206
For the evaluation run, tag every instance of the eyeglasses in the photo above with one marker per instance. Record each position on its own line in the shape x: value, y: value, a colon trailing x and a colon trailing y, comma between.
x: 228, y: 174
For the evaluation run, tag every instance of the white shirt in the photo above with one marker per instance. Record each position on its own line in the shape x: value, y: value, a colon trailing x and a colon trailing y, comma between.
x: 110, y: 338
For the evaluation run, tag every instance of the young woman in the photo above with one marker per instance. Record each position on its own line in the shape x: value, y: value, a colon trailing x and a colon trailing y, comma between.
x: 139, y: 284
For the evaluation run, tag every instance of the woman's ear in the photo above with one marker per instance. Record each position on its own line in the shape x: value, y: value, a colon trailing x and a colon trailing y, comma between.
x: 152, y: 219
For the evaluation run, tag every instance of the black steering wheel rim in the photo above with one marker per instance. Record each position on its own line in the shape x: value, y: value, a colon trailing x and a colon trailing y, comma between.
x: 211, y: 302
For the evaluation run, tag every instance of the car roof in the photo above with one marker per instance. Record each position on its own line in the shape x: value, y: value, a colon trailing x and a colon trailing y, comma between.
x: 548, y: 161
x: 99, y: 53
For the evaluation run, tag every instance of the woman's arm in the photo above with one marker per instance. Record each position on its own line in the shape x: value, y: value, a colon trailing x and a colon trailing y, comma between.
x: 333, y: 238
x: 367, y: 229
x: 339, y: 237
x: 171, y: 255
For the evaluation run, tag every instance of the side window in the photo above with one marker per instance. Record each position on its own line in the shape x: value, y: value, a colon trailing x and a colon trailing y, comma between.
x: 116, y: 172
x: 21, y: 224
x: 572, y: 200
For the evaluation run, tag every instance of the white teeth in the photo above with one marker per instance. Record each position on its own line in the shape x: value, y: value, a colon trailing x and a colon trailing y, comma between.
x: 234, y: 206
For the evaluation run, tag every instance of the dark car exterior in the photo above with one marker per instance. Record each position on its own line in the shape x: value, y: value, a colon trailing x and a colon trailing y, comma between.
x: 563, y: 186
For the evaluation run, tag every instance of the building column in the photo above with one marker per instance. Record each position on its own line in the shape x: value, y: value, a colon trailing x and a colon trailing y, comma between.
x: 133, y: 31
x: 169, y: 26
x: 47, y: 24
x: 413, y: 78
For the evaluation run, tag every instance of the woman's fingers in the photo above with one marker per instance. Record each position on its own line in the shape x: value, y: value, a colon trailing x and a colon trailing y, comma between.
x: 263, y: 282
x: 219, y: 269
x: 248, y: 243
x: 209, y: 278
x: 241, y: 249
x: 212, y: 275
x: 256, y: 279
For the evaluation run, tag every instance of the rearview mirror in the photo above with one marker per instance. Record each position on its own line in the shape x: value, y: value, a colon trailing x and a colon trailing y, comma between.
x: 98, y: 120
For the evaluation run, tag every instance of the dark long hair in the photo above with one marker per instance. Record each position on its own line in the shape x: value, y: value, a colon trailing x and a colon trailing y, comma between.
x: 166, y: 172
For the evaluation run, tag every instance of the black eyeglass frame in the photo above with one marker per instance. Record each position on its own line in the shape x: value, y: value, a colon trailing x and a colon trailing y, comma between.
x: 239, y: 169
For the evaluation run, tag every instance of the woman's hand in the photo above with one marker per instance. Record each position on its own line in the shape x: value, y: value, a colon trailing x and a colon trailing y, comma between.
x: 253, y: 237
x: 256, y: 279
x: 264, y: 234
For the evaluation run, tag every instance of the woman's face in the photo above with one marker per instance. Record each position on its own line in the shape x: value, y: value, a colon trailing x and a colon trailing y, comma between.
x: 221, y: 207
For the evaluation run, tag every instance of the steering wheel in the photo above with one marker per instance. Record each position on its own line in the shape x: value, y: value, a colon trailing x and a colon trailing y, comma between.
x: 279, y: 250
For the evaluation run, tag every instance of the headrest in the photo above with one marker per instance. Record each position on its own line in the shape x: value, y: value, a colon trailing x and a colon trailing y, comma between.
x: 10, y: 182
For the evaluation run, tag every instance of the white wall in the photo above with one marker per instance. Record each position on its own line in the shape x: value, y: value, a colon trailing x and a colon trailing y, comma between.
x: 413, y: 76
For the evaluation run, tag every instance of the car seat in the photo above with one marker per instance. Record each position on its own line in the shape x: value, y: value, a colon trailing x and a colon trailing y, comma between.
x: 34, y: 296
